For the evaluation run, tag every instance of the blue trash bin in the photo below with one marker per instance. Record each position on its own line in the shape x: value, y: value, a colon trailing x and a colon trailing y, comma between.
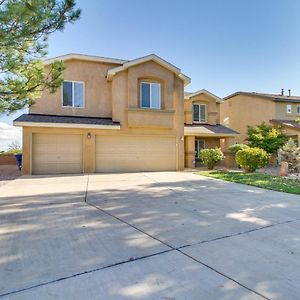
x: 19, y: 160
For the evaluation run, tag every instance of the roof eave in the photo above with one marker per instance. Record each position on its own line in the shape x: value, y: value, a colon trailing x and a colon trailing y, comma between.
x: 152, y: 57
x: 64, y: 125
x: 74, y: 56
x: 204, y: 91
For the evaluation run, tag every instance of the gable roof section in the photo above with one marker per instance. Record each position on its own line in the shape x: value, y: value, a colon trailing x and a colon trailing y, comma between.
x: 203, y: 91
x: 287, y: 123
x: 151, y: 57
x: 272, y: 97
x: 93, y: 58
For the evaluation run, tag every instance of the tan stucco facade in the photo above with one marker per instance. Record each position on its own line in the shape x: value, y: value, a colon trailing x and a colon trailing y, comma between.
x: 119, y: 99
x: 242, y: 110
x: 210, y: 140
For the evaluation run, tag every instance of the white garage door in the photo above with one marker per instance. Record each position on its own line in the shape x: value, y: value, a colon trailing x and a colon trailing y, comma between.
x: 56, y: 153
x: 138, y: 153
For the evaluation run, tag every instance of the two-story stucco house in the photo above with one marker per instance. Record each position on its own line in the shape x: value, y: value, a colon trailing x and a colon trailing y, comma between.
x: 202, y: 127
x: 112, y: 115
x: 250, y: 108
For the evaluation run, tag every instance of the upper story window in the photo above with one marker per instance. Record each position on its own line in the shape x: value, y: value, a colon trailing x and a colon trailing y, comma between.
x: 199, y: 113
x: 73, y: 94
x: 289, y: 109
x: 298, y: 109
x: 150, y: 95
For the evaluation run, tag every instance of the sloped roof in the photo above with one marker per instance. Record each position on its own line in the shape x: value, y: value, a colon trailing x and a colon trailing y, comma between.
x: 287, y: 123
x: 272, y: 97
x: 217, y: 129
x: 123, y: 64
x: 77, y: 56
x: 188, y: 95
x: 151, y: 57
x: 55, y: 119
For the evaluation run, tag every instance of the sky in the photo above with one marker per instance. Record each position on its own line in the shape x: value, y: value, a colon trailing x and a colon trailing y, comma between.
x: 223, y: 45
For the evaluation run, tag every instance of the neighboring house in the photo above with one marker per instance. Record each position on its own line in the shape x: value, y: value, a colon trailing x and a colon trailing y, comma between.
x: 202, y: 127
x: 112, y: 115
x: 245, y: 108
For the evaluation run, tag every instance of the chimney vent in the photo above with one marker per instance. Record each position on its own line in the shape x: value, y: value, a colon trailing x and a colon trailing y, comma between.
x: 282, y: 92
x: 289, y: 92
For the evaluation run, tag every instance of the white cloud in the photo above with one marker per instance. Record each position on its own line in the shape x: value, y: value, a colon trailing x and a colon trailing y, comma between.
x: 8, y: 134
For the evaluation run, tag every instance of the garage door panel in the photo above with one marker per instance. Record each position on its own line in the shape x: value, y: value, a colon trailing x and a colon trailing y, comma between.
x: 138, y: 153
x: 57, y: 154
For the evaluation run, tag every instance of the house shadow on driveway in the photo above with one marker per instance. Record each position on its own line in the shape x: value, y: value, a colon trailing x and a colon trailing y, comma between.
x: 133, y: 238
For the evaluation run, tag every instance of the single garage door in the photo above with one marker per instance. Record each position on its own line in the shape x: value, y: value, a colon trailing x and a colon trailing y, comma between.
x: 135, y: 153
x: 56, y: 153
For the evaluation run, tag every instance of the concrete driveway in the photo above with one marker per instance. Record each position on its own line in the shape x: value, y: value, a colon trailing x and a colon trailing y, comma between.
x: 166, y: 235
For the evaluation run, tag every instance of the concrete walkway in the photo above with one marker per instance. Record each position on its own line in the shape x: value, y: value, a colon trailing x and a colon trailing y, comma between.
x: 166, y: 235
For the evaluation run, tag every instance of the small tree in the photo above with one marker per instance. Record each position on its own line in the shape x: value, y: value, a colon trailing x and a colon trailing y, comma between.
x: 210, y: 157
x: 290, y: 153
x: 252, y: 159
x: 15, y: 145
x: 266, y: 137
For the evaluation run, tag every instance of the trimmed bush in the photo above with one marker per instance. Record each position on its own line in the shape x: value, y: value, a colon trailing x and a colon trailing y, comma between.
x: 252, y: 159
x: 210, y: 157
x: 233, y: 149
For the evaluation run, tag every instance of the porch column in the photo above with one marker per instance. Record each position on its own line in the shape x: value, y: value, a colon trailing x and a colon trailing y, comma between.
x: 229, y: 159
x: 189, y: 151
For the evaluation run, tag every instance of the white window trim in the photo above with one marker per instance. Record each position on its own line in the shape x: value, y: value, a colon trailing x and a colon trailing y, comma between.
x: 287, y: 109
x: 62, y: 94
x: 197, y: 141
x: 200, y: 122
x: 141, y: 102
x: 298, y: 107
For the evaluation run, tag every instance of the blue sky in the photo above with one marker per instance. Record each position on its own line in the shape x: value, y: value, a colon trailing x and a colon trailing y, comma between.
x: 223, y: 45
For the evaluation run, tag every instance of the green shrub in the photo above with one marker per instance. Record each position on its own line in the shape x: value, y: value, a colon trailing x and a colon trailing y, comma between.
x: 290, y: 153
x: 266, y: 137
x: 13, y: 151
x: 210, y: 157
x: 252, y: 159
x: 233, y: 149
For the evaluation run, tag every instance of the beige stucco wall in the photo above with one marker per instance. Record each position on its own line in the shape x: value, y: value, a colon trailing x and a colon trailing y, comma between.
x: 240, y: 111
x: 212, y: 107
x: 281, y: 111
x: 118, y: 99
x: 98, y: 91
x: 88, y: 144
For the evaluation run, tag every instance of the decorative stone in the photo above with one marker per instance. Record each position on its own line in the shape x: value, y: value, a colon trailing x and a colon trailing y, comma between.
x: 284, y: 169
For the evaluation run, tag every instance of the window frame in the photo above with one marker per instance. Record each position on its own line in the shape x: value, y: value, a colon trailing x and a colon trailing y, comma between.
x: 200, y: 122
x: 73, y: 84
x: 298, y: 110
x: 141, y: 98
x: 287, y: 109
x: 197, y: 142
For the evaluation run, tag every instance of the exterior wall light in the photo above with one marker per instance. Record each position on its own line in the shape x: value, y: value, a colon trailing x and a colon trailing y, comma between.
x: 89, y: 136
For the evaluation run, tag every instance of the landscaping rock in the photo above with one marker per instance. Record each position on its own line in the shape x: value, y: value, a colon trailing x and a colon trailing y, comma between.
x: 284, y: 169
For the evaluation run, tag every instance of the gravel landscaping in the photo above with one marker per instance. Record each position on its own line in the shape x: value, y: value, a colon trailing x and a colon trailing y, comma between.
x: 8, y: 173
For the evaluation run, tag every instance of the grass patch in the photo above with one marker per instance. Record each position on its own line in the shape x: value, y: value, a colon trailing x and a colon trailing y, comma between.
x: 269, y: 182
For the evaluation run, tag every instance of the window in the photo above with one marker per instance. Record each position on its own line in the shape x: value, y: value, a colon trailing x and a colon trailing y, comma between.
x: 298, y: 109
x: 199, y: 145
x: 150, y: 95
x: 199, y: 113
x: 289, y: 109
x: 73, y: 94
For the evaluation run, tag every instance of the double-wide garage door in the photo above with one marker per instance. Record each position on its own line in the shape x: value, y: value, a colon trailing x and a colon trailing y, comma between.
x: 135, y: 153
x: 63, y: 153
x: 57, y: 153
